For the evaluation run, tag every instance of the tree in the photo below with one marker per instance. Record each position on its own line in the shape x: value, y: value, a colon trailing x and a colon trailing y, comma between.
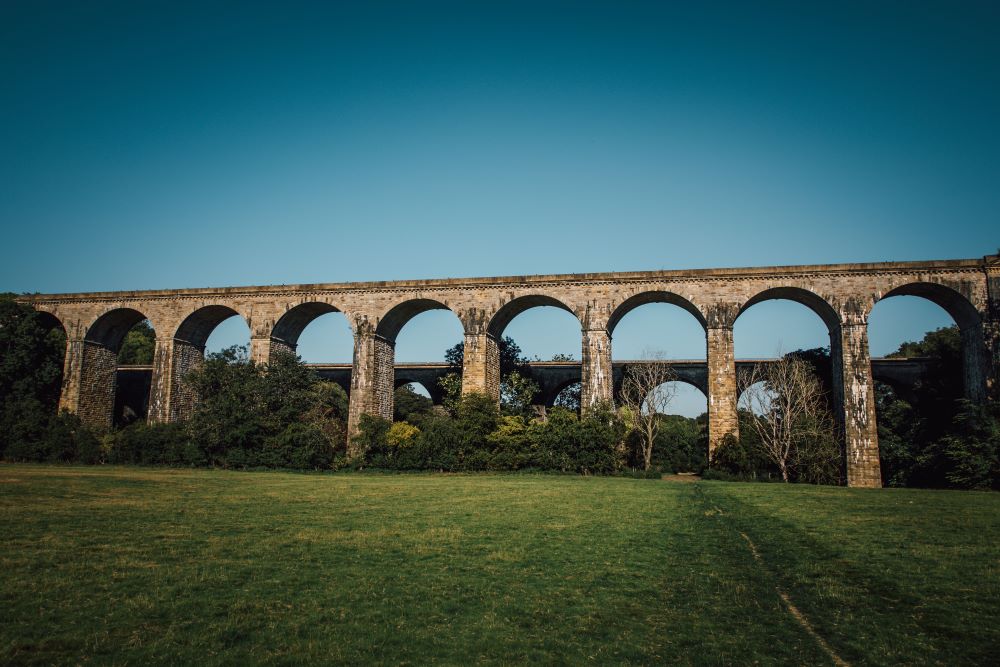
x: 410, y: 406
x: 138, y: 346
x: 914, y: 419
x: 517, y: 388
x: 277, y: 414
x: 569, y: 397
x: 511, y: 357
x: 647, y: 390
x: 31, y: 363
x: 789, y: 415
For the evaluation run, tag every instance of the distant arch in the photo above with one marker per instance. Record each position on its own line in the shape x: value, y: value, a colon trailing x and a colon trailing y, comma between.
x: 433, y: 390
x: 655, y: 296
x: 696, y: 380
x: 553, y: 393
x: 506, y: 313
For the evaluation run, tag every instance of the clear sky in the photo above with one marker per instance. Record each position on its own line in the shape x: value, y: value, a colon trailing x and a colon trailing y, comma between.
x: 174, y: 144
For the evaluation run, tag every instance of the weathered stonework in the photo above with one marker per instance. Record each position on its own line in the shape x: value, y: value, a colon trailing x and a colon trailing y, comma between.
x: 842, y: 295
x: 722, y: 388
x: 596, y: 374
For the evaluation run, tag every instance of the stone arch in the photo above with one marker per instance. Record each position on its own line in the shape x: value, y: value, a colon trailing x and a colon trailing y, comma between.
x: 289, y: 327
x: 50, y: 320
x: 172, y: 398
x: 435, y: 392
x: 507, y: 312
x: 975, y: 364
x: 380, y: 374
x: 92, y: 394
x: 684, y: 378
x: 553, y: 392
x: 811, y: 300
x: 952, y: 301
x: 654, y: 296
x: 199, y: 325
x: 110, y: 328
x: 390, y: 324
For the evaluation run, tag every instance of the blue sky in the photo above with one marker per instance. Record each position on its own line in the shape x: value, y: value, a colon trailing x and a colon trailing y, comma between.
x: 172, y: 144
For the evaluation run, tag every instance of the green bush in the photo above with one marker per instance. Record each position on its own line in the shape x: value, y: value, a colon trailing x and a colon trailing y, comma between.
x: 153, y: 444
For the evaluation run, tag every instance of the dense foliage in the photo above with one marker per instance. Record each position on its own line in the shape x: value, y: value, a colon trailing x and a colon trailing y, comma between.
x: 479, y: 437
x: 31, y: 360
x: 138, y: 345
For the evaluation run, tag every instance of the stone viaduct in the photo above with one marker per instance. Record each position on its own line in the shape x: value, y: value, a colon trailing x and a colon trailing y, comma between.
x: 842, y: 295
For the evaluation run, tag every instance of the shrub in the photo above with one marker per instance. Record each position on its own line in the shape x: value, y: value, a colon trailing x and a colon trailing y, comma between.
x: 153, y: 444
x: 301, y: 445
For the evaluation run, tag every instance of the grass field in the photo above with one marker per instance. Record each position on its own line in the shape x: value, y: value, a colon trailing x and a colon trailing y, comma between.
x: 135, y: 566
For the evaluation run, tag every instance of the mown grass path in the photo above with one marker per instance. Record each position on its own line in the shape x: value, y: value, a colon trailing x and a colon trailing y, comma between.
x: 136, y: 566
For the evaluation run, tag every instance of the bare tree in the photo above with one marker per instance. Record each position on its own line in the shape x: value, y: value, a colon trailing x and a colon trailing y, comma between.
x: 646, y: 395
x: 788, y: 412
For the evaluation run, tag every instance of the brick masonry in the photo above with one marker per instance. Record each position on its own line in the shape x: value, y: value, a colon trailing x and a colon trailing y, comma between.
x: 841, y: 294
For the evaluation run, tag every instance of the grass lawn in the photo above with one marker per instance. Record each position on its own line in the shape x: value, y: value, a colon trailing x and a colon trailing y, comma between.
x: 134, y: 566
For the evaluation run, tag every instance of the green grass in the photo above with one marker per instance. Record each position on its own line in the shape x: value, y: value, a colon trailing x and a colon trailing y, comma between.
x: 134, y: 566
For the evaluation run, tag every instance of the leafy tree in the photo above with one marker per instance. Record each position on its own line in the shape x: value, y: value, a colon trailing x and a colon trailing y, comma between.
x: 517, y: 394
x: 911, y: 425
x: 410, y: 406
x: 569, y: 397
x: 138, y: 345
x: 681, y: 444
x: 277, y: 414
x: 517, y: 388
x: 511, y: 357
x: 31, y: 363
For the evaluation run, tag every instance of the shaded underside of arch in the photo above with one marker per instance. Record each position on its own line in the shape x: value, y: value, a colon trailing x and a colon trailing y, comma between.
x: 506, y: 314
x: 656, y: 296
x: 553, y: 394
x: 290, y: 326
x: 200, y: 324
x: 49, y: 321
x: 109, y: 329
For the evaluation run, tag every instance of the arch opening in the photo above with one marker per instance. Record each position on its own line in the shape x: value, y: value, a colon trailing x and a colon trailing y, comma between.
x: 133, y: 378
x: 318, y: 332
x: 516, y: 307
x: 116, y: 369
x: 537, y: 329
x: 645, y: 298
x: 213, y: 328
x: 48, y: 362
x: 566, y: 395
x: 924, y: 371
x: 775, y: 326
x: 656, y: 326
x: 681, y: 442
x: 420, y: 334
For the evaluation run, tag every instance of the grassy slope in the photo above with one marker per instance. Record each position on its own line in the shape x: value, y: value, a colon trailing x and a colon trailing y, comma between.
x: 138, y: 565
